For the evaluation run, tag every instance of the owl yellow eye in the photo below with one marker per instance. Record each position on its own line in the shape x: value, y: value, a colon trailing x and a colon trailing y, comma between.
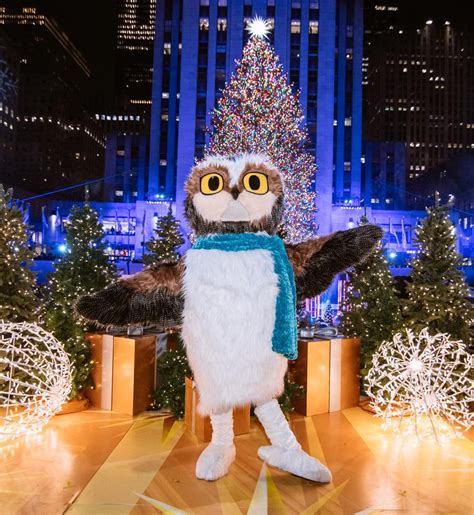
x: 256, y: 182
x: 211, y: 184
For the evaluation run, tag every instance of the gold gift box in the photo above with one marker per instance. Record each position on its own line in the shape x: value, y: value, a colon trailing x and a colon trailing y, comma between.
x: 201, y: 425
x: 329, y: 372
x: 124, y: 372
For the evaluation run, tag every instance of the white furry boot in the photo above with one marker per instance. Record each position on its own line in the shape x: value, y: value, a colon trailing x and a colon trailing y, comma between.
x: 218, y: 456
x: 285, y: 452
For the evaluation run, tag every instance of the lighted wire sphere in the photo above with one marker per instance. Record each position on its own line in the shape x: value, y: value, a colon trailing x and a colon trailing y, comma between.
x: 421, y: 385
x: 35, y: 378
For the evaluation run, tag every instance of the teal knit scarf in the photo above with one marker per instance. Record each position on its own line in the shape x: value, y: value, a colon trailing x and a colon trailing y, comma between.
x: 285, y: 336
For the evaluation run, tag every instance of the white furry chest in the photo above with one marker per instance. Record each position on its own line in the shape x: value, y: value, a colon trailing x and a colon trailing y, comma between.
x: 238, y: 276
x: 228, y: 322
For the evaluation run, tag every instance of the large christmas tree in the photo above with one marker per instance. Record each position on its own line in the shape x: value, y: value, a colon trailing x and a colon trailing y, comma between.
x: 18, y: 302
x: 371, y: 308
x: 258, y: 112
x: 163, y: 247
x: 438, y: 293
x: 82, y: 271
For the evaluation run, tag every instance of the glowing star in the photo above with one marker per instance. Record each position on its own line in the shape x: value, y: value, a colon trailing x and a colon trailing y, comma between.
x: 421, y: 385
x: 258, y: 27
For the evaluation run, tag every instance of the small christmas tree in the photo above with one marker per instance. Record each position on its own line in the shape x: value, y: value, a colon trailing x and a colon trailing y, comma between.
x: 83, y: 270
x: 259, y: 113
x: 371, y: 309
x: 163, y: 247
x: 18, y: 302
x: 172, y: 367
x: 327, y: 314
x: 438, y: 293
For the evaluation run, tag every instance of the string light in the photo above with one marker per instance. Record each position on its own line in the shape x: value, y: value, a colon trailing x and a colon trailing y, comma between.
x: 420, y: 385
x: 370, y: 309
x: 258, y: 112
x: 35, y: 378
x: 438, y: 293
x: 17, y: 281
x: 83, y: 270
x: 163, y: 247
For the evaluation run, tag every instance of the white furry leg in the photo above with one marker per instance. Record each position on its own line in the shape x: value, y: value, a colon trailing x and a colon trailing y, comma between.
x: 215, y: 460
x: 285, y: 452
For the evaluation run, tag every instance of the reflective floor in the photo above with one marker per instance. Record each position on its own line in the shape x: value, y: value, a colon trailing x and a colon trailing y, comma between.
x: 98, y: 462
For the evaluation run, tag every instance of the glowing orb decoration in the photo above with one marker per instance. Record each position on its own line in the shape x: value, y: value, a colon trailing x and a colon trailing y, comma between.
x: 35, y: 378
x: 421, y: 385
x: 258, y: 27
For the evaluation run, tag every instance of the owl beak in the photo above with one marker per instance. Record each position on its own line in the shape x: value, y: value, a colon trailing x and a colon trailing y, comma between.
x: 235, y: 212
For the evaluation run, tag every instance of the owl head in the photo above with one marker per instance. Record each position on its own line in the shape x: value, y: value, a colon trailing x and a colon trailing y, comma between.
x: 234, y: 195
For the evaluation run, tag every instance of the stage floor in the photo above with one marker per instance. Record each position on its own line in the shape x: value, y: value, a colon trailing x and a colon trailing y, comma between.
x: 98, y: 462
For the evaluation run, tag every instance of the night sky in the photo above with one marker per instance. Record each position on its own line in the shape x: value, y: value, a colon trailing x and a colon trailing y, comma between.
x: 91, y: 26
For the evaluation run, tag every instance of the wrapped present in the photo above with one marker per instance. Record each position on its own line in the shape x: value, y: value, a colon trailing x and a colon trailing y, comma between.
x: 329, y: 371
x: 102, y: 346
x: 201, y: 425
x: 134, y: 371
x: 124, y: 372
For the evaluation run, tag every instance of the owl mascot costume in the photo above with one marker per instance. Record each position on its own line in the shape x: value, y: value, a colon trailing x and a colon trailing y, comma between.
x: 234, y: 294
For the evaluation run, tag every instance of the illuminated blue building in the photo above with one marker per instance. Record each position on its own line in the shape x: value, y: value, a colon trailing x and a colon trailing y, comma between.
x: 320, y: 44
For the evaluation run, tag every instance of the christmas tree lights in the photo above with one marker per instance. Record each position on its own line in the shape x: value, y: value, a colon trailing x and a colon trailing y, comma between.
x: 17, y: 283
x: 172, y: 367
x: 163, y: 247
x: 83, y: 270
x: 421, y: 385
x: 371, y: 309
x: 438, y: 293
x: 259, y: 113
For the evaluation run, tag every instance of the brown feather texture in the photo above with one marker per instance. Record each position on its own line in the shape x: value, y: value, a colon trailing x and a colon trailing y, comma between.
x: 169, y: 277
x: 338, y: 252
x: 300, y: 253
x: 151, y: 297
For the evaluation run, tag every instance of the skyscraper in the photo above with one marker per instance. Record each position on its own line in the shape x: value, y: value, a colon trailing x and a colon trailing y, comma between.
x: 421, y: 91
x: 57, y: 143
x: 320, y: 46
x: 135, y: 40
x: 9, y: 77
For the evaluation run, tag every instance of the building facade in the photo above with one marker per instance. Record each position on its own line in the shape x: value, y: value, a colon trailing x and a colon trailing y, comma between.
x: 420, y: 89
x: 320, y: 46
x: 126, y: 167
x: 57, y: 143
x: 9, y: 78
x: 135, y: 42
x: 384, y: 174
x: 453, y: 179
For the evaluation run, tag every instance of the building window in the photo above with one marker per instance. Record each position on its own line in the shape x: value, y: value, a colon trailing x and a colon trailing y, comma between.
x: 295, y: 26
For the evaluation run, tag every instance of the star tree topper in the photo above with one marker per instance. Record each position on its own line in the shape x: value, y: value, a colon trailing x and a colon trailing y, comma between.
x: 258, y: 27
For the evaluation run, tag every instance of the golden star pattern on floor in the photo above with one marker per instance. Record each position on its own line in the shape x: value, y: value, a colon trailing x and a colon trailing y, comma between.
x: 99, y: 462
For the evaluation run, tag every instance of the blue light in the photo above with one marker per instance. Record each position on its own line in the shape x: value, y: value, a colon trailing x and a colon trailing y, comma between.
x: 62, y: 248
x: 392, y: 255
